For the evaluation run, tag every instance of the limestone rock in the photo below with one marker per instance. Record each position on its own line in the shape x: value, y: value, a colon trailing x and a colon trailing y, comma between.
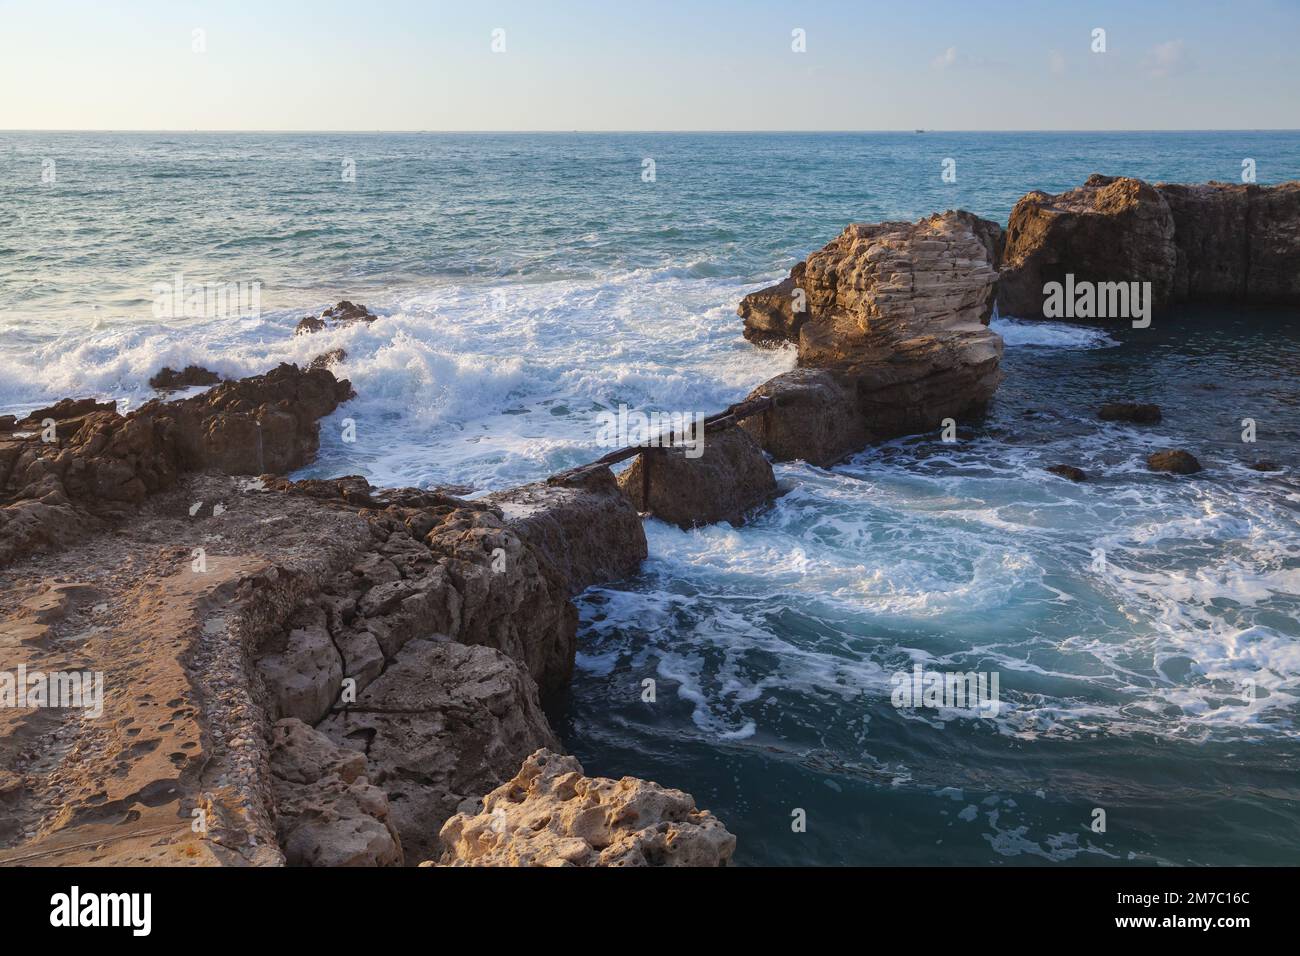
x: 444, y: 723
x: 103, y: 465
x: 1238, y: 242
x: 815, y: 417
x: 730, y: 477
x: 326, y: 813
x: 770, y: 314
x: 550, y: 814
x: 897, y: 317
x: 581, y: 523
x: 303, y: 671
x: 1111, y: 229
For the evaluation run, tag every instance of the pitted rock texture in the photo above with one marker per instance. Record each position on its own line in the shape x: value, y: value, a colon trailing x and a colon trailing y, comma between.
x: 184, y: 725
x: 102, y: 465
x: 730, y: 477
x: 326, y: 812
x: 897, y: 317
x: 443, y: 724
x: 550, y: 814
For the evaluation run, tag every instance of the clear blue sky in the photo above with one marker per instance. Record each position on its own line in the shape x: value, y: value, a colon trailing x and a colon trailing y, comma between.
x: 647, y: 65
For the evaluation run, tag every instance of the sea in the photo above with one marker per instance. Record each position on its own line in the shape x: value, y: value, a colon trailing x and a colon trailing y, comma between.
x: 1144, y: 628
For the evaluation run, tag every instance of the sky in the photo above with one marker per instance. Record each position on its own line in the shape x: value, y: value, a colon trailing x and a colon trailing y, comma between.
x: 648, y: 65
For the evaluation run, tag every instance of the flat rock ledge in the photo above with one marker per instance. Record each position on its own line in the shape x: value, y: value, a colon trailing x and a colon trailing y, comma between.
x: 890, y: 320
x: 551, y: 814
x: 317, y: 672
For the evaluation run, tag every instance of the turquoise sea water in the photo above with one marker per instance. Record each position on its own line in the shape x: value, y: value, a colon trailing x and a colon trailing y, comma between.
x: 527, y: 282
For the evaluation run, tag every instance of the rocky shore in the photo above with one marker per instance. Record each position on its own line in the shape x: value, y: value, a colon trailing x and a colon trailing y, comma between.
x: 323, y: 673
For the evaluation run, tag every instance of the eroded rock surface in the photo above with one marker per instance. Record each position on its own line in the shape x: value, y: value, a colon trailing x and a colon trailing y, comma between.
x: 443, y: 724
x: 102, y: 465
x: 1191, y: 242
x: 1110, y: 229
x: 896, y: 318
x: 1239, y: 242
x: 550, y: 814
x: 327, y: 813
x: 581, y: 522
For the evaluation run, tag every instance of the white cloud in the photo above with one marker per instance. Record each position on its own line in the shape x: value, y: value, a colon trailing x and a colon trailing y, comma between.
x: 1166, y: 59
x: 945, y: 59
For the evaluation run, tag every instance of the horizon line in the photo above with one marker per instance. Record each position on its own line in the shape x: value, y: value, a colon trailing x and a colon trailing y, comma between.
x: 380, y: 132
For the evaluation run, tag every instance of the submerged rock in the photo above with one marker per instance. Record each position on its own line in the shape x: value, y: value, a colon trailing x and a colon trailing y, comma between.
x: 896, y: 316
x: 1265, y: 466
x: 1130, y: 412
x: 550, y: 814
x: 1069, y: 471
x: 730, y: 477
x: 1177, y: 461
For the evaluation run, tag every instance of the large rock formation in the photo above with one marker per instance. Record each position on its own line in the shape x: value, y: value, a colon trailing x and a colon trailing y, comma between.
x: 1111, y: 229
x: 550, y: 814
x: 99, y: 465
x: 229, y: 616
x: 896, y: 318
x: 1238, y: 242
x: 729, y: 478
x: 498, y: 572
x: 1197, y: 242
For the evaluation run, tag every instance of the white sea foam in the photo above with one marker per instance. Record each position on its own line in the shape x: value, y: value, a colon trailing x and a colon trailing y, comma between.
x: 1057, y: 335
